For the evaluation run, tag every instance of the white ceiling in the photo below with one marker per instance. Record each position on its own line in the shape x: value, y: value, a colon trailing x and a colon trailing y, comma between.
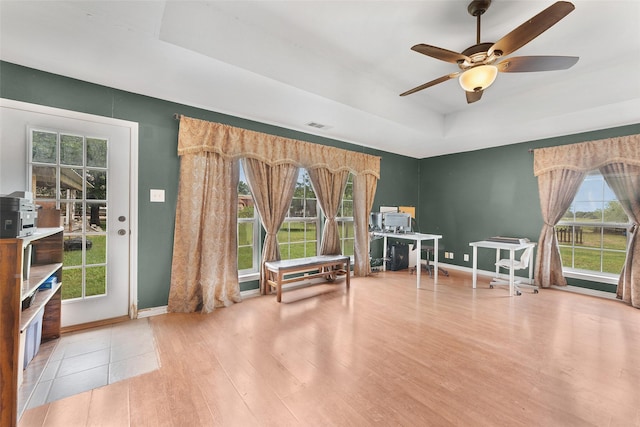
x: 342, y: 64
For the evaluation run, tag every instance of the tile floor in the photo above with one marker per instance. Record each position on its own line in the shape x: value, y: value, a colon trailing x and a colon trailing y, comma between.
x: 89, y: 359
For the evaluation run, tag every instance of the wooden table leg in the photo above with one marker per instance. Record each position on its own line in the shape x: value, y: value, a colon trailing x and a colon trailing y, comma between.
x: 347, y: 269
x: 279, y: 287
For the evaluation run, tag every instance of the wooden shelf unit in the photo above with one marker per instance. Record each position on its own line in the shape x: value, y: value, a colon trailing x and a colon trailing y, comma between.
x: 46, y: 260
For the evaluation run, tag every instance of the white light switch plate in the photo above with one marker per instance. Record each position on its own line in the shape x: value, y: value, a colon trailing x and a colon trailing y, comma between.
x: 156, y: 195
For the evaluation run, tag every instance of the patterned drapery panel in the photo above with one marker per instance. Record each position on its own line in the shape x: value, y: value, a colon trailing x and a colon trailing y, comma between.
x: 204, y: 272
x: 329, y: 188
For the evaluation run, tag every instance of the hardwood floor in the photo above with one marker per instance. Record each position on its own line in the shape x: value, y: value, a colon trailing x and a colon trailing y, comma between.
x: 382, y: 353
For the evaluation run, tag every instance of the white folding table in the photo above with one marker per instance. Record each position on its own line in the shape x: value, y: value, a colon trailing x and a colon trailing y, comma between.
x: 418, y: 238
x: 498, y: 246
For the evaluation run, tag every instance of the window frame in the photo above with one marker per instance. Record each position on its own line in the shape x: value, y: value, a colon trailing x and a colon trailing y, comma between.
x: 343, y: 220
x: 317, y: 221
x: 585, y: 274
x: 252, y: 273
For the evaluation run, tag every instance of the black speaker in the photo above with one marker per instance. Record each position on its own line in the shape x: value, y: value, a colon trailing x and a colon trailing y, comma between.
x: 398, y: 257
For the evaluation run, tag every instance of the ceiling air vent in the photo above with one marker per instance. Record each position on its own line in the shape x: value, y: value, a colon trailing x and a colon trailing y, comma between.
x: 318, y: 125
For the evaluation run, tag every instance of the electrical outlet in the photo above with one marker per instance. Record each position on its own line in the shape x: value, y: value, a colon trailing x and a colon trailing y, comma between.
x: 156, y: 196
x: 466, y: 257
x: 450, y: 255
x: 446, y: 255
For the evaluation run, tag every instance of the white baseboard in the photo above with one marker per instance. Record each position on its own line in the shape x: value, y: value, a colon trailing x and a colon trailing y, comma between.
x: 153, y: 311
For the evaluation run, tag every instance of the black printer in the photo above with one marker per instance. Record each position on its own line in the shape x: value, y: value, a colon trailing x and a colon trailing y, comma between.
x: 18, y: 215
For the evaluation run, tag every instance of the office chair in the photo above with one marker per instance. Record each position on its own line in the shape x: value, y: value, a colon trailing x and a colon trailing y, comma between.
x: 428, y: 267
x: 521, y: 264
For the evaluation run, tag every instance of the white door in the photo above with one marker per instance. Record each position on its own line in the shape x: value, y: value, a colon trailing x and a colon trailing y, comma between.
x: 83, y: 167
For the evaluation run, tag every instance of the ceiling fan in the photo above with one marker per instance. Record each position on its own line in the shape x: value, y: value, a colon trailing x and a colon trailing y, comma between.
x: 478, y: 66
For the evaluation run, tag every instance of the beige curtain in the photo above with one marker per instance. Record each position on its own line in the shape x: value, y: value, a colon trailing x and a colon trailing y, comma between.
x: 624, y: 180
x: 557, y: 188
x: 272, y: 188
x: 364, y: 191
x: 198, y: 143
x: 560, y: 170
x: 204, y: 267
x: 329, y: 188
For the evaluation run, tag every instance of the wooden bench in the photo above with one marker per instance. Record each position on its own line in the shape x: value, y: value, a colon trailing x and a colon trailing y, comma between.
x: 327, y: 266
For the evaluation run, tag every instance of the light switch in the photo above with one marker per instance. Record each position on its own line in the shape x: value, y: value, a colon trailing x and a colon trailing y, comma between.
x: 157, y: 196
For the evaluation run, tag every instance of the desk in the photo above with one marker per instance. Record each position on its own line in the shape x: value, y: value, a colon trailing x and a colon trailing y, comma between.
x: 418, y: 238
x: 498, y: 246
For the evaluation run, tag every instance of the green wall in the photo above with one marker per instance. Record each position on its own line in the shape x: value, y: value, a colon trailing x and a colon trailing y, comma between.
x: 492, y: 192
x: 159, y: 165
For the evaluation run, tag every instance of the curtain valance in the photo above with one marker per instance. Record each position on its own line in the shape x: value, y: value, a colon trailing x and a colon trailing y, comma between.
x: 587, y: 156
x: 198, y: 136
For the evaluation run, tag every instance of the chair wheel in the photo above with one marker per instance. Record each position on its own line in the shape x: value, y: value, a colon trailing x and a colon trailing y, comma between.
x: 490, y: 286
x: 535, y: 291
x: 518, y: 293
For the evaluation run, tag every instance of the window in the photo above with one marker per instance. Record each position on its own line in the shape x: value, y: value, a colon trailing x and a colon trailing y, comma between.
x: 298, y: 235
x: 345, y: 219
x: 248, y: 230
x: 592, y: 234
x: 70, y: 172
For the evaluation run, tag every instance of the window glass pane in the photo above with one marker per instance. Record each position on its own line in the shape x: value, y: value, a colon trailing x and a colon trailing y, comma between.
x: 613, y: 212
x: 245, y: 257
x: 96, y: 251
x: 347, y: 208
x: 591, y: 189
x: 45, y: 181
x: 566, y: 254
x: 297, y: 250
x: 587, y: 259
x: 297, y: 208
x: 71, y: 150
x: 72, y: 251
x: 296, y: 231
x: 310, y: 249
x: 44, y: 147
x: 96, y: 184
x: 71, y: 183
x: 309, y: 193
x: 587, y: 236
x: 96, y: 217
x: 283, y: 234
x: 71, y: 216
x: 615, y: 238
x: 612, y: 262
x: 96, y: 280
x: 310, y: 231
x: 311, y: 208
x: 588, y: 211
x: 245, y: 233
x: 96, y: 152
x: 72, y: 283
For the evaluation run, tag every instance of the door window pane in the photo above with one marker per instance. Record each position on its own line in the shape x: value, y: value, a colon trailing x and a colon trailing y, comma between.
x: 44, y: 147
x: 71, y: 150
x: 96, y: 152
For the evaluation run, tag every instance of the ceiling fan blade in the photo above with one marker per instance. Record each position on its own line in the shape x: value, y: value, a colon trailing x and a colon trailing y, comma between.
x: 532, y: 28
x: 525, y: 64
x: 473, y: 96
x: 431, y: 83
x: 440, y: 53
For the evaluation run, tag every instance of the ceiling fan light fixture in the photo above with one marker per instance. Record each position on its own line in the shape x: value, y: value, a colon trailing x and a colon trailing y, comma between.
x: 478, y: 78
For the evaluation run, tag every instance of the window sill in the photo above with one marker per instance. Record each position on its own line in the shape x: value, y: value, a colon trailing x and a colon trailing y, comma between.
x: 608, y: 278
x: 249, y: 277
